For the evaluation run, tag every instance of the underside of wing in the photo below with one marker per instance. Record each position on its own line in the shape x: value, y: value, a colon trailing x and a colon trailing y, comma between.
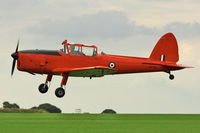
x: 96, y: 71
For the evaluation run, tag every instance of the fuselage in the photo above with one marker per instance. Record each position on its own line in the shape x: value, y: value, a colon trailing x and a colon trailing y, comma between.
x: 45, y: 61
x: 81, y: 60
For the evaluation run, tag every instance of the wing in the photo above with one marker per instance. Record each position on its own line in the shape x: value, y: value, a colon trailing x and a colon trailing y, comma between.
x: 95, y: 71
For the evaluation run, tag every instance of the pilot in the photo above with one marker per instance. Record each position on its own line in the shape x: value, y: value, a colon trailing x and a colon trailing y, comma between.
x: 71, y: 50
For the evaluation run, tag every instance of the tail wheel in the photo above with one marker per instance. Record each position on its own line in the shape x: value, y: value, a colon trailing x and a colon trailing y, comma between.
x: 43, y: 88
x: 171, y: 77
x: 60, y: 92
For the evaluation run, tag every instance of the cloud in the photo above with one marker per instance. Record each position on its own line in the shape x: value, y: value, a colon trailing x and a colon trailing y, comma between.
x: 109, y: 24
x: 188, y: 53
x: 183, y: 30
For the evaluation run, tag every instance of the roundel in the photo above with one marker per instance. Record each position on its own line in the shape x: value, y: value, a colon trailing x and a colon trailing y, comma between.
x: 112, y: 65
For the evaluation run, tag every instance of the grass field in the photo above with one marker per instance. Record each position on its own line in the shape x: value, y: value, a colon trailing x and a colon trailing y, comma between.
x: 98, y: 123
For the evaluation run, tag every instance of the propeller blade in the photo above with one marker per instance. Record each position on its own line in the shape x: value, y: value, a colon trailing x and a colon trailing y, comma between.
x: 13, y: 66
x: 17, y: 47
x: 15, y: 57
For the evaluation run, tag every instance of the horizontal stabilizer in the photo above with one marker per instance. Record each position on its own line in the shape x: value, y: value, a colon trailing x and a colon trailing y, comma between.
x: 167, y: 64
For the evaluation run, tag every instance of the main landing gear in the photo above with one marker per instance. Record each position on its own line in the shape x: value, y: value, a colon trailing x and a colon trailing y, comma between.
x: 60, y: 92
x: 43, y: 88
x: 171, y: 76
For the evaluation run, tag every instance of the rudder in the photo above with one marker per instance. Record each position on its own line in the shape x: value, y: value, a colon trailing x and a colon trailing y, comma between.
x: 166, y: 49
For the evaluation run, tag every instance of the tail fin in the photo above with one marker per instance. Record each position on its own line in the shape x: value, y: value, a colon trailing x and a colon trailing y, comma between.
x: 166, y: 49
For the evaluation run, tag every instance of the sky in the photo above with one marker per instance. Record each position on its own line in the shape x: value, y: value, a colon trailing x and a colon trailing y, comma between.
x: 122, y: 27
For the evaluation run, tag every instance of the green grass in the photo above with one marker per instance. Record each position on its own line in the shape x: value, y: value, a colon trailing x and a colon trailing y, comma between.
x: 98, y: 123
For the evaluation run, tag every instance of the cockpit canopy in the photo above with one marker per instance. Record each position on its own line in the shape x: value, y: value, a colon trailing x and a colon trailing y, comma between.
x: 79, y: 49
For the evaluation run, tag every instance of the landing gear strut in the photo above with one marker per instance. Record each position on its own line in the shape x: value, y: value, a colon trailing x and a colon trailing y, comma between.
x: 60, y: 92
x: 171, y: 76
x: 43, y: 88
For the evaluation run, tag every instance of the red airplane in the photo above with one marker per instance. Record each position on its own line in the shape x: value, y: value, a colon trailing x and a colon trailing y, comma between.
x: 79, y: 60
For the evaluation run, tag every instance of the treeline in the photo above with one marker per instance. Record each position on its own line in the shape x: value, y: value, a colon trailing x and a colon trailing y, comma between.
x: 42, y: 108
x: 18, y: 110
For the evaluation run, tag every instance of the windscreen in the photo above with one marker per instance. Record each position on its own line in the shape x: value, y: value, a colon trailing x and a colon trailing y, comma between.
x: 88, y: 51
x: 63, y: 50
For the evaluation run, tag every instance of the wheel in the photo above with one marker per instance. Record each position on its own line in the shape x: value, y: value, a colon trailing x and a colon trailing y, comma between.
x: 43, y: 88
x: 171, y: 77
x: 60, y: 92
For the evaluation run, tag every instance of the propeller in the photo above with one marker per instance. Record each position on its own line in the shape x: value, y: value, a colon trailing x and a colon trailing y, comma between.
x: 15, y: 57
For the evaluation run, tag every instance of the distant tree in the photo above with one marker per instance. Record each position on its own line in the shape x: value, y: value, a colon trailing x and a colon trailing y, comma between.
x: 49, y: 108
x: 8, y: 105
x: 14, y: 105
x: 109, y: 111
x: 34, y: 107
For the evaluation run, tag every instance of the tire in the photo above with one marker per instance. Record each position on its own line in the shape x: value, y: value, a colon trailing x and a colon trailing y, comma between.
x: 43, y: 88
x: 60, y: 92
x: 171, y: 77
